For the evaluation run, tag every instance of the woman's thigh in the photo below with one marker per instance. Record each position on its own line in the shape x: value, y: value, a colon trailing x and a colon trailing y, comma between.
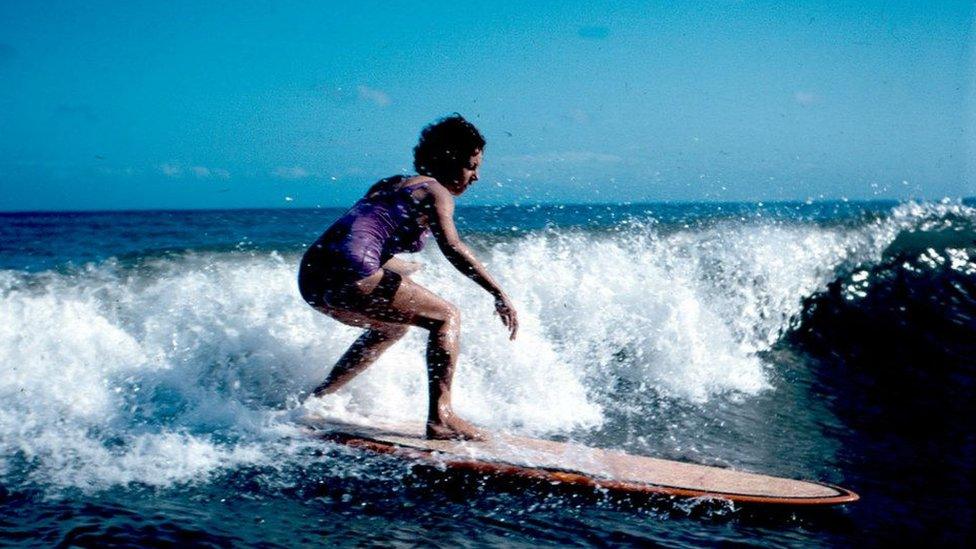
x: 392, y: 299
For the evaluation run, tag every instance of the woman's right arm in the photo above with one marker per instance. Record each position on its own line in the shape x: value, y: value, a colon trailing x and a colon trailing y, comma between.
x: 461, y: 257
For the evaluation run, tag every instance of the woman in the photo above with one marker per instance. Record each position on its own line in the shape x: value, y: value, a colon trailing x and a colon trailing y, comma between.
x: 350, y: 273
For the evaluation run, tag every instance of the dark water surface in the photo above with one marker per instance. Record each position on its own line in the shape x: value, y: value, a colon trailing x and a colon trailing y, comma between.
x: 152, y: 362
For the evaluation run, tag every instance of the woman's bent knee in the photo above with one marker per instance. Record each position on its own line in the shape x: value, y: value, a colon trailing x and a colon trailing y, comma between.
x: 451, y: 319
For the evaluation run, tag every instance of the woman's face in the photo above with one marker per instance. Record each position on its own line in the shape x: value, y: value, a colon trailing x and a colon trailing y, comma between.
x: 466, y: 176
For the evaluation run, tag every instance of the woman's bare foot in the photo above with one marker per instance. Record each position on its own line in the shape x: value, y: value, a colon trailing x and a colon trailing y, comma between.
x: 452, y: 427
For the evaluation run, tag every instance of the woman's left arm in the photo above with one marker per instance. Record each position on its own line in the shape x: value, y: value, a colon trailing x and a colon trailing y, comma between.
x: 461, y: 257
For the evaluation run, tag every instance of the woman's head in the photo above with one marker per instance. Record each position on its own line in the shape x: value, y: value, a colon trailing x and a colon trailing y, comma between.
x: 449, y: 150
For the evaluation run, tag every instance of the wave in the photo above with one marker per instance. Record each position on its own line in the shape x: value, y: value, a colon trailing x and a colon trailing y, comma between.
x: 916, y: 304
x: 166, y: 369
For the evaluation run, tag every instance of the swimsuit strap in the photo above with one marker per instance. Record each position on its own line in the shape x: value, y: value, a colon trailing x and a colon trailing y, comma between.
x: 409, y: 189
x: 415, y: 186
x: 384, y: 188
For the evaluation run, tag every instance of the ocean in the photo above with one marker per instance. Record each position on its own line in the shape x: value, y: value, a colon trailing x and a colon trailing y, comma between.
x: 153, y: 361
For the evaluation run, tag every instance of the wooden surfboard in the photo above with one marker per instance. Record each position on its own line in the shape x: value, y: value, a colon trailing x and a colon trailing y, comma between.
x: 574, y: 464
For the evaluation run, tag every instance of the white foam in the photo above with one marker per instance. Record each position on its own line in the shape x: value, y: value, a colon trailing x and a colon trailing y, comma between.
x: 178, y: 368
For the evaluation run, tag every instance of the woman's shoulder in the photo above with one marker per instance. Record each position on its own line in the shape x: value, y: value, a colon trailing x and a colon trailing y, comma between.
x: 390, y: 184
x: 400, y: 181
x: 422, y: 187
x: 417, y: 180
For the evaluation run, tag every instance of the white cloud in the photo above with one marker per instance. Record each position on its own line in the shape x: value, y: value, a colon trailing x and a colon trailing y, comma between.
x: 290, y: 172
x: 171, y: 170
x: 377, y: 97
x: 806, y: 98
x: 174, y: 170
x: 126, y: 171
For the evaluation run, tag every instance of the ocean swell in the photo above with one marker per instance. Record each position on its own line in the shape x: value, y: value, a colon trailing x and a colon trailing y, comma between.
x: 169, y: 368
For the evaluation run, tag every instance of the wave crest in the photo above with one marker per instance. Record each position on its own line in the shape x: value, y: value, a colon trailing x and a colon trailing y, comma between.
x: 165, y: 369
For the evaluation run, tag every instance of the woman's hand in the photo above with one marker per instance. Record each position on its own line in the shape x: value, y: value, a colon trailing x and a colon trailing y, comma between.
x: 505, y: 310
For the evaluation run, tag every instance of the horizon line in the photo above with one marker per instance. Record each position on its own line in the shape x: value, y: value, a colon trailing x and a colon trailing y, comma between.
x: 508, y: 205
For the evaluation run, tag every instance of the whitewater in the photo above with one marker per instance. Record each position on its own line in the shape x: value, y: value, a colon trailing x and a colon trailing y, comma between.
x: 171, y: 356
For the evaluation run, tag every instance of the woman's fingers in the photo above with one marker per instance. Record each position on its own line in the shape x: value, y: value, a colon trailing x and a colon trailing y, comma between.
x: 508, y: 316
x: 511, y: 322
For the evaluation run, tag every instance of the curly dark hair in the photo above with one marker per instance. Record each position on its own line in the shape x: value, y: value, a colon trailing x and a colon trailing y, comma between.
x: 446, y: 144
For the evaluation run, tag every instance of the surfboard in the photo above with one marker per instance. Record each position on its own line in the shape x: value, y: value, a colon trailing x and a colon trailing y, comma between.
x: 565, y: 463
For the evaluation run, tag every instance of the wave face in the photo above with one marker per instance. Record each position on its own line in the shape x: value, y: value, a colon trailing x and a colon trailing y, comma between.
x: 168, y: 365
x: 915, y: 305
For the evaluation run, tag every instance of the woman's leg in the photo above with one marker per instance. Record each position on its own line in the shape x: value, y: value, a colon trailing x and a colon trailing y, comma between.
x: 413, y: 305
x: 361, y: 354
x: 379, y: 336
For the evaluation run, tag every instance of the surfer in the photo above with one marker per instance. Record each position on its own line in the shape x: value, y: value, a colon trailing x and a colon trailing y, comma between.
x: 351, y: 273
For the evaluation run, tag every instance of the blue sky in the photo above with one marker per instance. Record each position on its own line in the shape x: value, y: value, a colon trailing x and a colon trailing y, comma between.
x: 110, y: 105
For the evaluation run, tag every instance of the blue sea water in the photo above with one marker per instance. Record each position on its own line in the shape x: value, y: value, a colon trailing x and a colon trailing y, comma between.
x: 152, y: 361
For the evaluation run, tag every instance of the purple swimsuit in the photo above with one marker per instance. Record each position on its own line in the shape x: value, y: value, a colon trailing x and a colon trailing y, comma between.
x: 379, y: 225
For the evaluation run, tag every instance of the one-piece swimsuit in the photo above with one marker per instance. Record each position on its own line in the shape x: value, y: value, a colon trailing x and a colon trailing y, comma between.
x: 383, y: 223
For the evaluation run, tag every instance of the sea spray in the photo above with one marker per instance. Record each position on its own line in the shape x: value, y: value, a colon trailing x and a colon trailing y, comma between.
x: 168, y: 367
